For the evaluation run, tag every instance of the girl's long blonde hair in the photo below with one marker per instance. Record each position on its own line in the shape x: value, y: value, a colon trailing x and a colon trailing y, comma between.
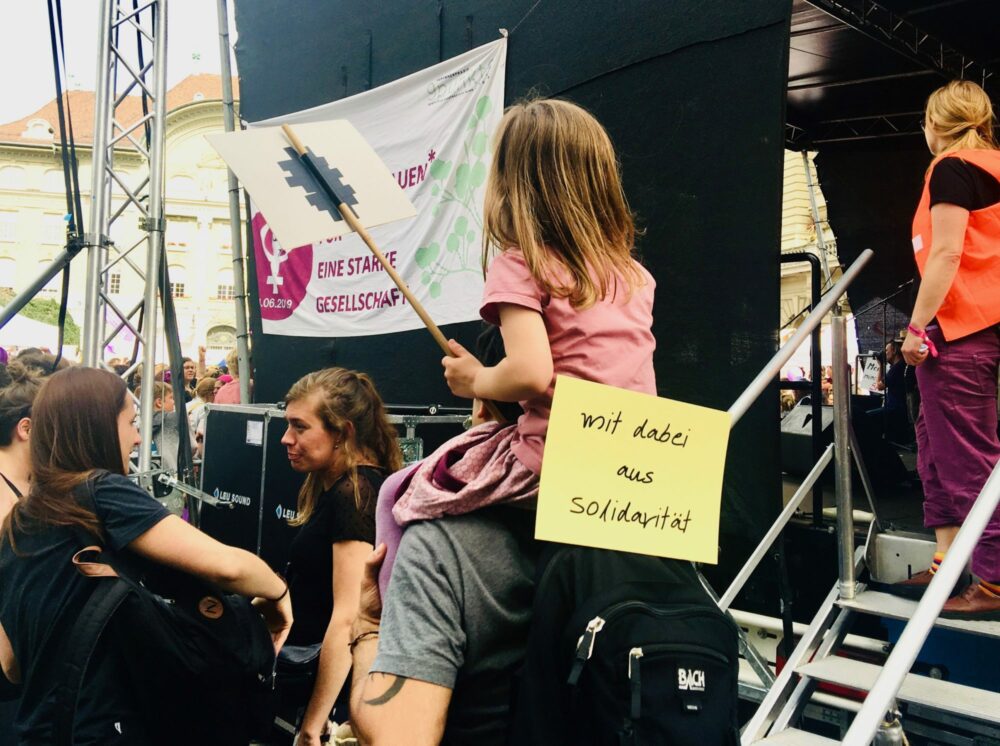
x: 961, y: 111
x: 555, y: 193
x: 349, y: 404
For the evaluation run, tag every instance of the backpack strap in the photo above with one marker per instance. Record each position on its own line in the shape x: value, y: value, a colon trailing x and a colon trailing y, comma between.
x: 75, y: 648
x: 12, y: 486
x: 104, y: 601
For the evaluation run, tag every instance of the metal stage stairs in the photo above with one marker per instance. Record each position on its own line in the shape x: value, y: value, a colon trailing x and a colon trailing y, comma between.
x: 816, y: 660
x: 952, y: 708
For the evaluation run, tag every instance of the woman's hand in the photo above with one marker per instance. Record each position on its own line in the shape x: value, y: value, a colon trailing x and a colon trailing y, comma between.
x: 911, y: 350
x: 460, y: 371
x: 310, y: 735
x: 278, y: 618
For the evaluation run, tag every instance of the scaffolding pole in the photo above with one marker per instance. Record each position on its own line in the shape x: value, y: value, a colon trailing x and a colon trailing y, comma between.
x: 155, y: 225
x: 132, y: 58
x: 100, y: 191
x: 235, y: 224
x: 817, y: 223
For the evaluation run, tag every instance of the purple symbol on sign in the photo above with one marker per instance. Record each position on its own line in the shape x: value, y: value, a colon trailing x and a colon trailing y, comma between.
x: 282, y: 274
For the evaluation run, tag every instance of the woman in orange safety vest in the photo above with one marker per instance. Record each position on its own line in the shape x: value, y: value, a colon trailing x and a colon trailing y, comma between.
x: 953, y: 337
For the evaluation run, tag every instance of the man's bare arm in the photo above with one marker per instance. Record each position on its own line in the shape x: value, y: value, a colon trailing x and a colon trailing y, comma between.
x: 386, y: 709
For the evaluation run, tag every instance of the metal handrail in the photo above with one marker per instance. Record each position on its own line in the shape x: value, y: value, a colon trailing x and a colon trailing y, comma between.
x: 881, y: 697
x: 770, y: 371
x: 776, y: 528
x: 842, y: 457
x: 758, y: 386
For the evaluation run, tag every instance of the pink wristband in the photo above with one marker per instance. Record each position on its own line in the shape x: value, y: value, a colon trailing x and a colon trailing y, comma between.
x: 922, y: 334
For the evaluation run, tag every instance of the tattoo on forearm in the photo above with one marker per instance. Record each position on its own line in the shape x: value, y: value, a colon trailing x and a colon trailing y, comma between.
x: 389, y: 693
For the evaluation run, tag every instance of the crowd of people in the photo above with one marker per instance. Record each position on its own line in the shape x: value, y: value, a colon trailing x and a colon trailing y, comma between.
x: 413, y: 586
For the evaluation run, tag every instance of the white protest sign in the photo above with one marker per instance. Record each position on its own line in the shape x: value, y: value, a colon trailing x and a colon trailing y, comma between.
x: 870, y: 374
x: 300, y: 211
x: 432, y: 129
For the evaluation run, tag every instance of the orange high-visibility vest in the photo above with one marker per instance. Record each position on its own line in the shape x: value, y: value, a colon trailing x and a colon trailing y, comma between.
x: 973, y: 302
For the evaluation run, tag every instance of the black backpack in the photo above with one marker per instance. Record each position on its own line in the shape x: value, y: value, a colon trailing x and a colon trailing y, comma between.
x: 626, y: 650
x: 199, y: 661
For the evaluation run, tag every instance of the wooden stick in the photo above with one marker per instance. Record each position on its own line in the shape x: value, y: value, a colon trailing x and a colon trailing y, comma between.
x: 352, y: 220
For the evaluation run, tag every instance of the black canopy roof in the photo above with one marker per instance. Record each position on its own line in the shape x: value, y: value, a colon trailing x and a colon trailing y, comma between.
x: 862, y: 70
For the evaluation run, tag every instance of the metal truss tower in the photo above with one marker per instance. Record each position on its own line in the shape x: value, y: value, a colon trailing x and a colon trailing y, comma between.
x: 132, y: 55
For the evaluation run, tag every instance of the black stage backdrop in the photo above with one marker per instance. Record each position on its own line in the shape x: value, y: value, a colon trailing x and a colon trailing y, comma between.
x: 692, y: 93
x: 876, y: 213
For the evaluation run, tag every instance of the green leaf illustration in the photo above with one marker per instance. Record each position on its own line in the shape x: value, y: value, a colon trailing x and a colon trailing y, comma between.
x: 461, y: 223
x: 453, y: 242
x: 435, y: 190
x: 470, y: 236
x: 435, y: 289
x: 479, y: 143
x: 462, y: 174
x: 440, y: 169
x: 425, y: 278
x: 478, y: 176
x: 427, y: 254
x: 483, y: 106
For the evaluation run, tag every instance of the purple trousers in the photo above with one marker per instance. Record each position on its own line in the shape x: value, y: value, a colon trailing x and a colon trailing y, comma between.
x: 957, y: 445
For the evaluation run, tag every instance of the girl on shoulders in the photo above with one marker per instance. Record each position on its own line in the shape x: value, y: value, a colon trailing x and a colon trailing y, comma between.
x: 564, y: 288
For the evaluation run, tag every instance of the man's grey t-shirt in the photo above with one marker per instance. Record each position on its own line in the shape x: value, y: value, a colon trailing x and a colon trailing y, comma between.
x: 456, y: 614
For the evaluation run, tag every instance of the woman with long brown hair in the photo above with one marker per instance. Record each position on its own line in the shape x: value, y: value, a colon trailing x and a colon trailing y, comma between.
x: 83, y: 428
x: 340, y: 437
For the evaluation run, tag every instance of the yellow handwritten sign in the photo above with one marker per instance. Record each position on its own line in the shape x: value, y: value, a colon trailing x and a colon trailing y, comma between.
x: 632, y: 472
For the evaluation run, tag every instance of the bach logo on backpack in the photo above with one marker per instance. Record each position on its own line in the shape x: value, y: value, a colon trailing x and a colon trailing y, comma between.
x: 690, y: 680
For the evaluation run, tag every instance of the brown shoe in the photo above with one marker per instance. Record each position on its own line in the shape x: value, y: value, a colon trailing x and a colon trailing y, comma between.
x: 974, y: 604
x: 914, y: 587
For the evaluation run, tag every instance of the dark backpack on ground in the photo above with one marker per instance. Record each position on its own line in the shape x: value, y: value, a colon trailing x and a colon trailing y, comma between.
x: 626, y: 650
x: 200, y: 662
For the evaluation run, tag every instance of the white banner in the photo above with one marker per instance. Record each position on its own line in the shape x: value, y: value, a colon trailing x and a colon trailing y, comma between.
x: 433, y: 130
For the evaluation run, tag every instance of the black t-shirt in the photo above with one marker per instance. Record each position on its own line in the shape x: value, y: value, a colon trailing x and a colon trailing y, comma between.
x: 336, y: 517
x: 956, y: 182
x: 39, y: 588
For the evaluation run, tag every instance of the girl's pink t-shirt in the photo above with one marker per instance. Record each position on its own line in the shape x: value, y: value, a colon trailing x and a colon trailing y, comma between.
x: 611, y: 342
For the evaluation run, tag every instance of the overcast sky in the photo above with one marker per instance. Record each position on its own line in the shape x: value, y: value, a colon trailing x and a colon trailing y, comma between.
x: 26, y: 54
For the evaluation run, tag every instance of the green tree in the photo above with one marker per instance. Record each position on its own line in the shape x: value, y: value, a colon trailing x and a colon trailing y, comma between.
x: 45, y: 310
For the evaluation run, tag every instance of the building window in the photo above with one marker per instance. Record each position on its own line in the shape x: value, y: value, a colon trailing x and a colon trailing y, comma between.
x: 222, y: 236
x: 178, y: 281
x: 8, y: 273
x: 114, y: 283
x: 53, y: 229
x: 12, y: 177
x: 55, y: 284
x: 38, y: 129
x: 182, y: 187
x: 53, y: 181
x: 8, y: 225
x: 181, y: 232
x: 224, y: 285
x: 221, y: 338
